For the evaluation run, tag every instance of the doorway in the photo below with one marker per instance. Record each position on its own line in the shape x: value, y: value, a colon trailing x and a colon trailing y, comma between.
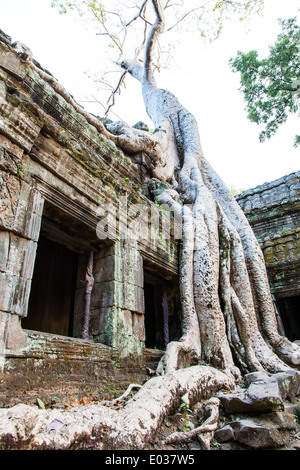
x: 51, y: 302
x: 162, y: 311
x: 289, y: 308
x: 153, y: 315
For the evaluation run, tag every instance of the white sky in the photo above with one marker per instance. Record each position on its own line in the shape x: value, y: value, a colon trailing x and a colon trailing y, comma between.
x: 201, y: 79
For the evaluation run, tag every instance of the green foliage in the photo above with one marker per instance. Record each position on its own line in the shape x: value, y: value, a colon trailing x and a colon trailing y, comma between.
x: 235, y: 191
x: 81, y: 7
x: 271, y: 86
x: 41, y: 404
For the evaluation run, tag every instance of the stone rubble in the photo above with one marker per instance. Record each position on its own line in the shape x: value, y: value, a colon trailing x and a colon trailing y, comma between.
x: 264, y: 413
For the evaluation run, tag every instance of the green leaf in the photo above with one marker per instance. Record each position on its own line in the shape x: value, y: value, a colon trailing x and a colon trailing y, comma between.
x: 41, y: 403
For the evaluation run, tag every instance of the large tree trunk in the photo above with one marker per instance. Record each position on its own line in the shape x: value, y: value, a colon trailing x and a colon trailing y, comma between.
x: 229, y: 319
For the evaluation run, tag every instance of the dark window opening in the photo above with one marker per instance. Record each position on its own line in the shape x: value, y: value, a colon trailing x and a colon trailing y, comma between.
x: 63, y: 245
x: 51, y: 302
x: 289, y: 308
x: 162, y: 312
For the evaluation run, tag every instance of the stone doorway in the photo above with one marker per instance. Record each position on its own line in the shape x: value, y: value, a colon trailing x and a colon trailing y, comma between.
x: 56, y: 301
x: 289, y: 308
x: 162, y: 311
x: 51, y: 301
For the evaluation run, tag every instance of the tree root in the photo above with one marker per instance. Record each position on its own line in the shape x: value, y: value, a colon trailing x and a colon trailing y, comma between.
x: 101, y: 427
x: 209, y: 426
x: 121, y: 397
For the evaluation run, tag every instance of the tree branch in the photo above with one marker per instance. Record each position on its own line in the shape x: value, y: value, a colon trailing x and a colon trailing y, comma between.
x: 155, y: 31
x: 139, y: 15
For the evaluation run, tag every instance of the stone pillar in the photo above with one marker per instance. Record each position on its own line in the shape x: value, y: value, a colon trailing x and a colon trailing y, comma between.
x: 117, y: 304
x: 19, y: 128
x: 21, y: 212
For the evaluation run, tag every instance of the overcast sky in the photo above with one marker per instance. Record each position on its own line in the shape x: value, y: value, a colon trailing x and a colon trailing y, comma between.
x: 199, y: 76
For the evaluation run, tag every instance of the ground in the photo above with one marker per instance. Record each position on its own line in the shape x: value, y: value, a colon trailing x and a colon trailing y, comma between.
x: 181, y: 419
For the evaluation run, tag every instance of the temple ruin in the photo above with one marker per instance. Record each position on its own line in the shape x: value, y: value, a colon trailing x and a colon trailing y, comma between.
x: 68, y: 198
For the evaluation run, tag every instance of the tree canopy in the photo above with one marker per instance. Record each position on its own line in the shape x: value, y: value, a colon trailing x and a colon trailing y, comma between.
x: 271, y: 86
x: 124, y: 26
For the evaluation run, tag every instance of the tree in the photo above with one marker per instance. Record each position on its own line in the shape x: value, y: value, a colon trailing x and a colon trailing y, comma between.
x: 122, y: 28
x: 229, y: 323
x: 271, y: 86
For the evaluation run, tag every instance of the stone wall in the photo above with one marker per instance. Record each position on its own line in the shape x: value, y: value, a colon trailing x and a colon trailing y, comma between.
x: 57, y: 170
x: 273, y: 210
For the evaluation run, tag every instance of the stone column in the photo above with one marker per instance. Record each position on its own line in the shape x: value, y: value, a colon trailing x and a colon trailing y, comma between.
x: 117, y: 304
x: 19, y: 128
x: 21, y: 212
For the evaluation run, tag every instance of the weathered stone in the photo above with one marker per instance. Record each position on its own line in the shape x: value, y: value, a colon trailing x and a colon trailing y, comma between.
x: 273, y: 212
x: 234, y: 403
x: 265, y: 396
x: 259, y: 397
x: 255, y: 377
x: 108, y: 268
x: 263, y: 393
x: 4, y: 250
x: 16, y: 339
x: 256, y: 435
x: 34, y: 216
x: 289, y: 383
x: 264, y: 431
x: 138, y: 326
x: 11, y: 62
x: 224, y: 434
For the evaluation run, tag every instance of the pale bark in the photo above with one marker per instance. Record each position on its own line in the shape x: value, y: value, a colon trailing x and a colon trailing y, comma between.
x: 100, y: 427
x: 229, y: 318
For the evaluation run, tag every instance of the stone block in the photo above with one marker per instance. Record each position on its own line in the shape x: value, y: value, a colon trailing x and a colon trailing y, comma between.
x: 265, y: 396
x: 11, y: 155
x: 133, y: 298
x: 3, y: 323
x: 4, y: 249
x: 8, y: 284
x: 133, y: 266
x: 106, y: 326
x: 224, y: 434
x: 107, y: 294
x: 23, y: 205
x: 21, y: 297
x: 19, y: 122
x: 12, y: 63
x: 34, y: 216
x: 138, y: 325
x: 16, y: 273
x: 288, y: 382
x: 259, y: 397
x: 256, y: 435
x: 266, y: 431
x: 108, y: 268
x: 9, y: 199
x: 29, y: 253
x: 118, y: 294
x: 16, y: 339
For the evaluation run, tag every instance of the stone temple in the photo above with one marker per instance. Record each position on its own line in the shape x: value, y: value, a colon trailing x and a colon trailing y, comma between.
x: 89, y: 292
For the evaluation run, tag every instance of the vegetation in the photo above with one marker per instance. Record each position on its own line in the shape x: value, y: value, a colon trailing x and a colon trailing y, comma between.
x: 271, y: 86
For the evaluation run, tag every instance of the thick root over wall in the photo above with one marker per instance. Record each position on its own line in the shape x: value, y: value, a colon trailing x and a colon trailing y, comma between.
x: 103, y: 428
